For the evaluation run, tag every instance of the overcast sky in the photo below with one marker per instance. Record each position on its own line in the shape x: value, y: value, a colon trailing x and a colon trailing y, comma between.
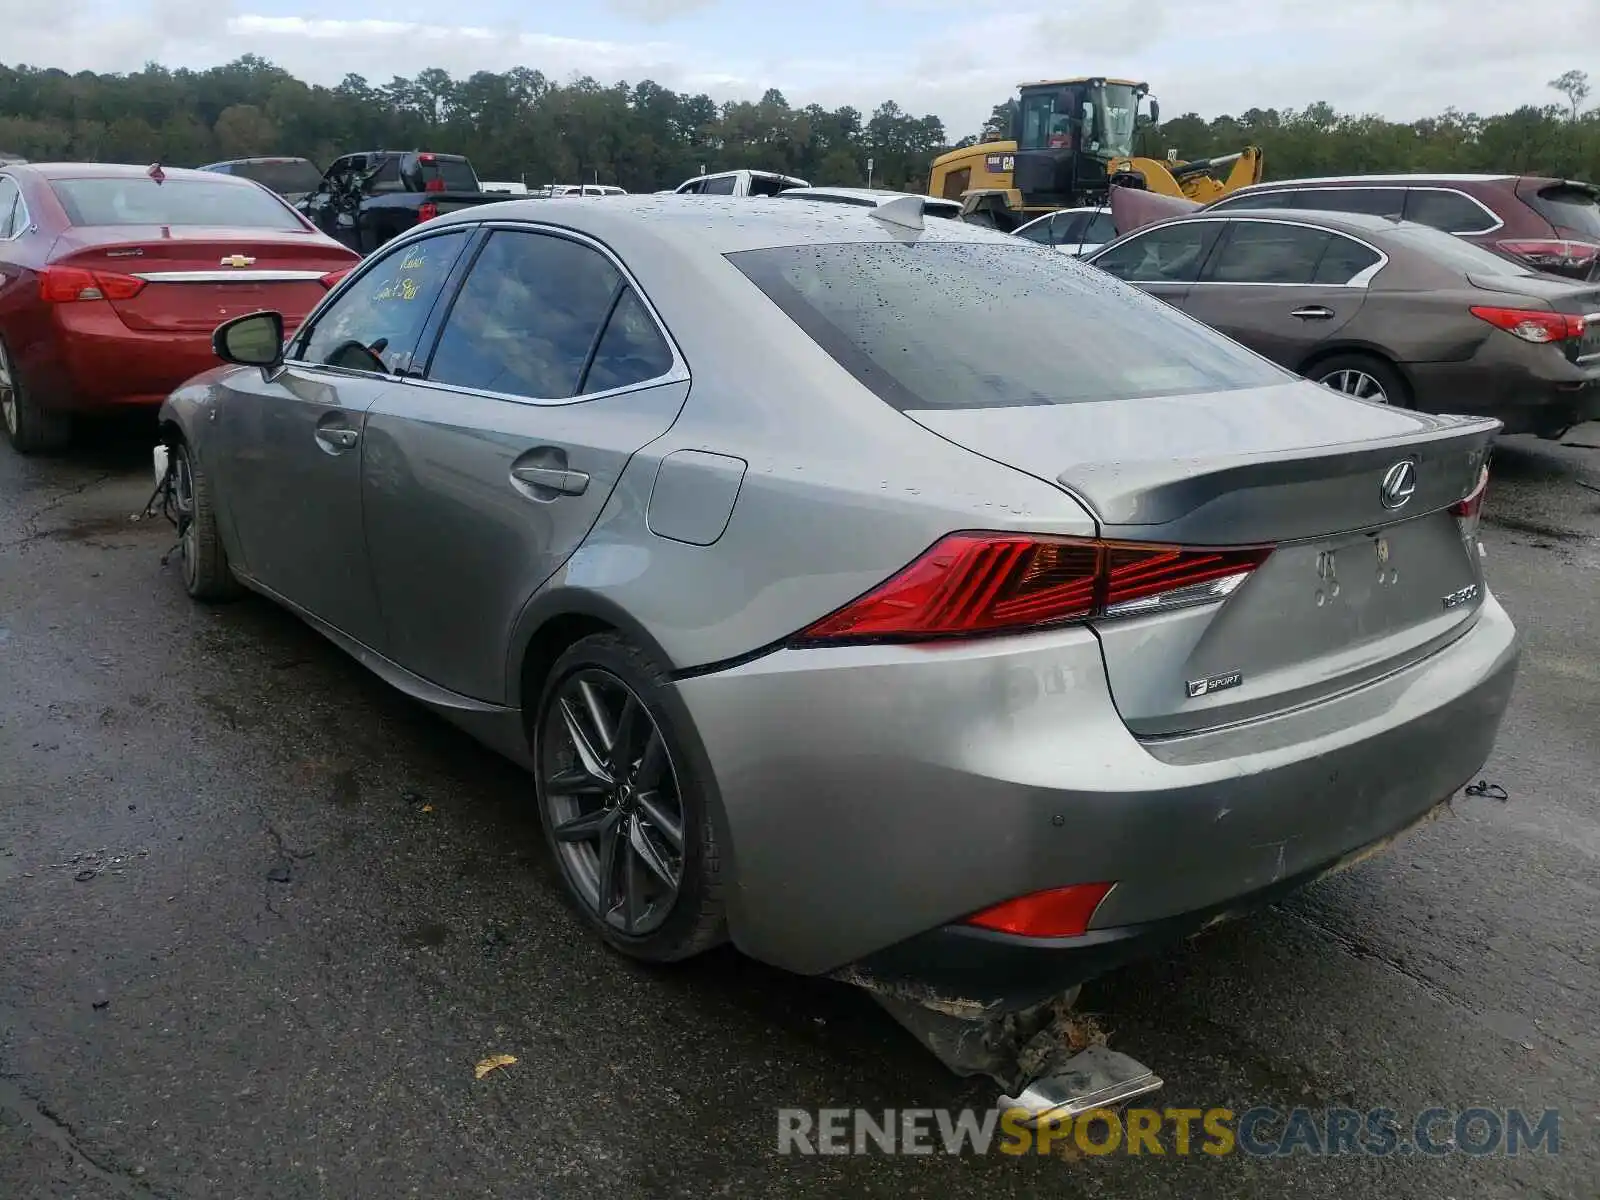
x: 1401, y: 58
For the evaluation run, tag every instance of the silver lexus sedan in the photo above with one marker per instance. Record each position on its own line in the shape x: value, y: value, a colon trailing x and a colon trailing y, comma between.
x: 904, y: 602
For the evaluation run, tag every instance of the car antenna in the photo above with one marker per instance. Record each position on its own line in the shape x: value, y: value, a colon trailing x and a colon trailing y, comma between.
x: 904, y: 211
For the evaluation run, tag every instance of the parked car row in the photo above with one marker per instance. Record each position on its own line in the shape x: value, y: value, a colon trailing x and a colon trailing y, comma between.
x: 1015, y: 625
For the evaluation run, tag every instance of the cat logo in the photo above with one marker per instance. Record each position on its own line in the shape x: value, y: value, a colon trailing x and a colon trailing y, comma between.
x: 238, y: 260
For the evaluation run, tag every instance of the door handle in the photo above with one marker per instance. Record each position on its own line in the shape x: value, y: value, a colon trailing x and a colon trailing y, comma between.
x: 338, y: 439
x: 1312, y: 312
x: 555, y: 479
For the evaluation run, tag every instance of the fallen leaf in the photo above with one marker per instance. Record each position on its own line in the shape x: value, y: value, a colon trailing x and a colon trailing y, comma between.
x: 427, y: 808
x: 492, y: 1064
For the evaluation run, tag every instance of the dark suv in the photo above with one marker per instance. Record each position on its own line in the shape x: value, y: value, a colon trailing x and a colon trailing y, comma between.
x: 1547, y: 224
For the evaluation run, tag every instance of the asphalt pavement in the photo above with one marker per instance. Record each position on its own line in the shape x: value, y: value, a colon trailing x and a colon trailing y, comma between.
x: 261, y: 915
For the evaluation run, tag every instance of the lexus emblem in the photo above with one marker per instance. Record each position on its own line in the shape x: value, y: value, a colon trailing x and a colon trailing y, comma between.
x: 1399, y: 484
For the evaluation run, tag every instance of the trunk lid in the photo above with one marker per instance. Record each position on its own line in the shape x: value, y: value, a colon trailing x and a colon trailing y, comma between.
x: 1581, y: 299
x: 197, y: 277
x: 1353, y: 590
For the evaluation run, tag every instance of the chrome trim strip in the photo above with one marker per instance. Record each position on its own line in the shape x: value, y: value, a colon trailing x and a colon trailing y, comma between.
x: 230, y: 276
x: 1289, y: 189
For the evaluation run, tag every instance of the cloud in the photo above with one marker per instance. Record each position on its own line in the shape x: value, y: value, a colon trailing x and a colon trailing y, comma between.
x: 957, y: 61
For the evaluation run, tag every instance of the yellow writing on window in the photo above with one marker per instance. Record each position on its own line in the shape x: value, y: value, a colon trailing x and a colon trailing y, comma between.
x: 400, y: 289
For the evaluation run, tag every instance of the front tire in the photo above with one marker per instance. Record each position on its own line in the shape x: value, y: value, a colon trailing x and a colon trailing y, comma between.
x: 623, y: 808
x: 29, y: 427
x: 206, y: 574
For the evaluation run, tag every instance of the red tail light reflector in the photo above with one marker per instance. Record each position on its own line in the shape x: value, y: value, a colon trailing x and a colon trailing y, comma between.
x: 427, y: 211
x: 63, y: 285
x: 1059, y: 912
x: 1469, y: 509
x: 333, y: 278
x: 1552, y: 254
x: 1532, y: 325
x: 977, y: 583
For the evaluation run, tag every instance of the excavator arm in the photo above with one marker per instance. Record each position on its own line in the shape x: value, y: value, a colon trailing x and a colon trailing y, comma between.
x: 1197, y: 180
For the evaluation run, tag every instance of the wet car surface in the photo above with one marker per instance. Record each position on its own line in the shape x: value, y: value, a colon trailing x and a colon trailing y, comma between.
x: 260, y: 915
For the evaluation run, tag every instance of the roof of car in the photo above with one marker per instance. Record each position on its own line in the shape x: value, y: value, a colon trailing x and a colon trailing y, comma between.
x: 81, y: 170
x: 1326, y: 180
x: 1346, y: 221
x: 715, y: 224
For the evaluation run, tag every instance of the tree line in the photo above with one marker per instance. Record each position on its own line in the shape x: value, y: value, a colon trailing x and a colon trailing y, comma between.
x: 520, y: 124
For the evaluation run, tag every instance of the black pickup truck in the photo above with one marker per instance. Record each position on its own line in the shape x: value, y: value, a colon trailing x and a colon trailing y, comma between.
x: 365, y: 199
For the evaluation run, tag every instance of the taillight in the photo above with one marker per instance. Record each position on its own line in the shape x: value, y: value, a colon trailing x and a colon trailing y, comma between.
x: 1469, y: 509
x: 1531, y: 325
x: 427, y: 211
x: 977, y: 583
x: 63, y: 285
x: 333, y: 278
x: 1552, y: 254
x: 1059, y: 912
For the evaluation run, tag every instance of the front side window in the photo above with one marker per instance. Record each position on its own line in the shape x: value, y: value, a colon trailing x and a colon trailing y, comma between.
x: 374, y: 324
x: 723, y: 185
x: 527, y: 317
x: 1451, y: 212
x: 1267, y: 252
x: 963, y: 325
x: 1166, y: 254
x: 140, y: 200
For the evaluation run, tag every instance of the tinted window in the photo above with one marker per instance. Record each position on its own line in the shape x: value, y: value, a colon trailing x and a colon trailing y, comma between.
x: 1449, y: 211
x: 455, y: 174
x: 939, y: 208
x: 631, y: 350
x: 761, y: 185
x: 1267, y: 252
x: 1343, y: 260
x: 1066, y: 228
x: 374, y: 323
x: 1380, y: 202
x: 691, y: 189
x: 1169, y: 254
x: 1037, y: 231
x: 1102, y: 229
x: 721, y: 186
x: 526, y: 317
x: 981, y: 325
x: 140, y: 200
x: 1254, y: 200
x: 1569, y: 209
x: 9, y: 198
x: 385, y: 177
x: 291, y: 175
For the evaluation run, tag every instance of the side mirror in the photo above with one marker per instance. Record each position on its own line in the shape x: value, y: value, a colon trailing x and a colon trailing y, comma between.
x: 253, y: 340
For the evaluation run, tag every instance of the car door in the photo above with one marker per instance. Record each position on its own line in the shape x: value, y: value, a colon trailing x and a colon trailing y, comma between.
x: 1266, y: 285
x: 290, y: 441
x: 548, y: 371
x: 1163, y: 259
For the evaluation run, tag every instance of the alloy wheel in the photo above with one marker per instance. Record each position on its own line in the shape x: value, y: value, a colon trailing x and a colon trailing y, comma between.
x: 1356, y: 383
x: 611, y: 800
x: 8, y: 394
x: 183, y: 502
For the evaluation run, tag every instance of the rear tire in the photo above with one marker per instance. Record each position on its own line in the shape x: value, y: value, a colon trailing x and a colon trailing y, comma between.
x: 625, y: 812
x: 29, y: 427
x: 206, y: 574
x: 1362, y: 376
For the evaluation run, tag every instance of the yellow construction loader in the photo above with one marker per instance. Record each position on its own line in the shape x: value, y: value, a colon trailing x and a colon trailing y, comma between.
x: 1071, y: 140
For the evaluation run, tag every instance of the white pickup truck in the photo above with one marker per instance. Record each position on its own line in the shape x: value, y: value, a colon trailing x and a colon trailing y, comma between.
x: 738, y: 183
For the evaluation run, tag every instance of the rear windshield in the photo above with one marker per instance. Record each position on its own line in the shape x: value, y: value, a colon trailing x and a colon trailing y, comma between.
x: 1450, y: 251
x: 457, y: 174
x: 143, y: 201
x: 281, y: 177
x: 985, y: 325
x: 1570, y: 209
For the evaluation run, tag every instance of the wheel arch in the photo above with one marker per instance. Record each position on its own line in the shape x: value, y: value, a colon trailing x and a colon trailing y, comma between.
x: 1336, y: 349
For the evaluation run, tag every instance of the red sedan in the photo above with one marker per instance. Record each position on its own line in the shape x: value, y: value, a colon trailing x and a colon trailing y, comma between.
x: 112, y: 279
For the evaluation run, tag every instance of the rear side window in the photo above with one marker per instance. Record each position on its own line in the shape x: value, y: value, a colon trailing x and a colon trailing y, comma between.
x: 11, y: 219
x: 1449, y: 211
x: 527, y: 317
x: 987, y: 325
x: 719, y: 187
x: 140, y: 200
x: 1167, y: 254
x: 1344, y: 259
x: 1570, y: 209
x: 631, y: 350
x: 1379, y: 202
x: 1267, y: 252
